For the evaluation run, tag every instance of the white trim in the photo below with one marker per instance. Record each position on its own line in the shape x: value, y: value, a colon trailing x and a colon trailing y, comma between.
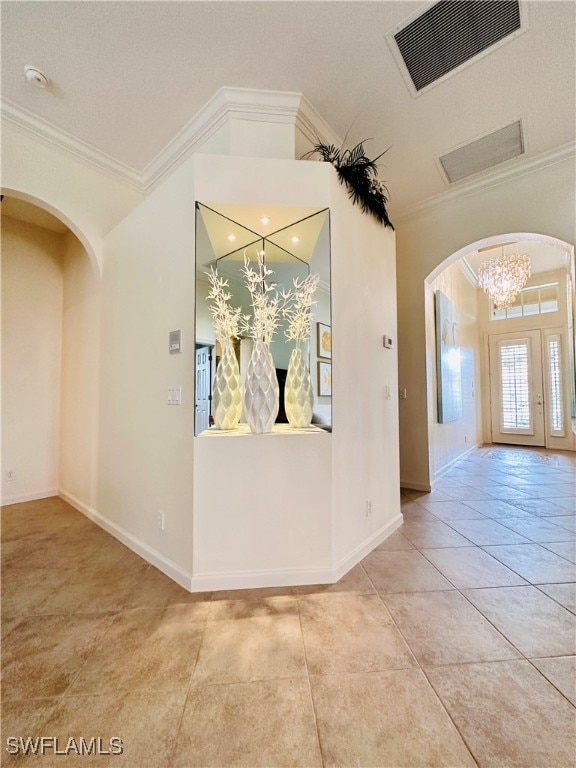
x: 151, y: 555
x: 363, y: 549
x: 7, y: 500
x: 294, y: 577
x: 442, y: 471
x: 513, y: 170
x: 468, y: 272
x: 287, y: 107
x: 52, y: 135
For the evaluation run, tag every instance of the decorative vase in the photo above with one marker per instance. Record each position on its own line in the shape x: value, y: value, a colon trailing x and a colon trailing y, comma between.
x: 261, y: 390
x: 226, y: 390
x: 298, y: 394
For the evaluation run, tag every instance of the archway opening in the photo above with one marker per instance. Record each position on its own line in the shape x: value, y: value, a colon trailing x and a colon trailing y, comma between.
x: 502, y: 376
x: 51, y: 305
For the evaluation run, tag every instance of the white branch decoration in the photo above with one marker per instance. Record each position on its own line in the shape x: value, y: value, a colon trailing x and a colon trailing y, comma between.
x: 298, y: 309
x: 227, y: 319
x: 267, y: 303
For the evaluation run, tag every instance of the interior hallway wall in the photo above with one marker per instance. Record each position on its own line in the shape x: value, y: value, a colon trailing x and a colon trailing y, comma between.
x: 450, y: 440
x: 32, y: 290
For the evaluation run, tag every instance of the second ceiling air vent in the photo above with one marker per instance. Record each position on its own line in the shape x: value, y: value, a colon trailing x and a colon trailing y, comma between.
x: 484, y: 153
x: 451, y: 32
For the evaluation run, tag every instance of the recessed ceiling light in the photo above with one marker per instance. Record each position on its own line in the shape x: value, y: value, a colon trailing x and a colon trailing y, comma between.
x: 231, y: 238
x: 265, y: 220
x: 295, y: 239
x: 36, y: 77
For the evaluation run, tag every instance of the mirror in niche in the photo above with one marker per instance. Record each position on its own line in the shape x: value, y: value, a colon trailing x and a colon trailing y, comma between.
x: 295, y: 243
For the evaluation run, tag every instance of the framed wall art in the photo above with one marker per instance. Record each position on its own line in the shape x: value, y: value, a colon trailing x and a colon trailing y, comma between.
x: 324, y: 379
x: 324, y: 341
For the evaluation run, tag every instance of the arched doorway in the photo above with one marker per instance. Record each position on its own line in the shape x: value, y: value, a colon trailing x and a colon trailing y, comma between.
x: 50, y: 298
x: 515, y: 369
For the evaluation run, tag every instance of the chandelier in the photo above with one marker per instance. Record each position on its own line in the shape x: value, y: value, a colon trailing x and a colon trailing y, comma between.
x: 503, y: 277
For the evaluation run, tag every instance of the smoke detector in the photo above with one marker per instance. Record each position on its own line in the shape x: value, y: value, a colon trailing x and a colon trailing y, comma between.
x: 36, y: 77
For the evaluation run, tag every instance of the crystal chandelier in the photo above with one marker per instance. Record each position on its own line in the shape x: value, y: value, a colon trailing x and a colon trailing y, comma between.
x: 503, y: 277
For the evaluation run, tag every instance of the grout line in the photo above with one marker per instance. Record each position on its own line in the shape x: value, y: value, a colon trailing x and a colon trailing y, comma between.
x: 314, y: 713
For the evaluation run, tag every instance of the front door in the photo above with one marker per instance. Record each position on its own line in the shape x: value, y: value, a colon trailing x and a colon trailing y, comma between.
x: 516, y: 388
x: 203, y: 388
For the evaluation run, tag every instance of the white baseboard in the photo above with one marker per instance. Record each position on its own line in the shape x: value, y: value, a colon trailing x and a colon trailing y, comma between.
x: 363, y: 549
x: 294, y: 577
x: 151, y: 555
x: 442, y: 471
x: 6, y: 500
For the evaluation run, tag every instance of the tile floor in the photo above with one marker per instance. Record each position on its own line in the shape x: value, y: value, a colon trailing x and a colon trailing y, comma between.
x: 452, y: 644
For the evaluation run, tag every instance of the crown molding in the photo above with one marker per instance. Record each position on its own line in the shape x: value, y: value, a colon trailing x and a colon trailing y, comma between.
x: 227, y: 103
x: 57, y: 137
x: 513, y: 170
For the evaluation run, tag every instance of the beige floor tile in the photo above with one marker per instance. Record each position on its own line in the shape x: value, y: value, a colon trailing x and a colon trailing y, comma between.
x: 565, y: 521
x: 541, y: 507
x: 539, y: 530
x: 91, y: 590
x: 443, y: 628
x: 8, y: 624
x: 534, y: 563
x: 421, y: 496
x: 561, y: 672
x: 487, y: 531
x: 418, y: 514
x: 43, y: 655
x: 355, y: 582
x: 145, y: 649
x: 396, y: 542
x: 470, y: 568
x: 407, y: 571
x: 467, y: 493
x: 557, y: 490
x: 568, y: 503
x: 565, y: 594
x: 264, y: 723
x: 433, y: 535
x: 497, y: 509
x: 253, y: 594
x: 506, y: 492
x: 21, y: 719
x: 351, y: 634
x: 533, y: 622
x: 155, y: 590
x: 145, y: 722
x: 23, y: 591
x: 566, y: 549
x: 247, y: 641
x: 390, y: 719
x: 452, y: 510
x: 508, y: 714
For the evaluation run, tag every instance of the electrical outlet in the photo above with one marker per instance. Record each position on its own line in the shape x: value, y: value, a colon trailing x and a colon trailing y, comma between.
x: 9, y: 475
x: 403, y: 394
x: 368, y: 507
x: 161, y: 521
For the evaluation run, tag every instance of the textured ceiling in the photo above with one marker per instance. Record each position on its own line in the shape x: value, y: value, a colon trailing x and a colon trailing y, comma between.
x: 127, y: 76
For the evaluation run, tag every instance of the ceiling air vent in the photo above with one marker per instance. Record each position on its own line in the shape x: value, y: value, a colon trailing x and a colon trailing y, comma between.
x: 484, y: 153
x: 451, y: 33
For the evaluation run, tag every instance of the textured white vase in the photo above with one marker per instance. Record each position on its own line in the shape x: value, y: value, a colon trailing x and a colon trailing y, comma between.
x: 298, y: 394
x: 261, y: 390
x: 227, y: 390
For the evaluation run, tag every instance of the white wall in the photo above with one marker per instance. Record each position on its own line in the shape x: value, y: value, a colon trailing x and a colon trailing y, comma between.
x: 146, y: 457
x: 450, y: 440
x: 541, y: 202
x: 88, y: 200
x: 80, y: 375
x: 32, y: 287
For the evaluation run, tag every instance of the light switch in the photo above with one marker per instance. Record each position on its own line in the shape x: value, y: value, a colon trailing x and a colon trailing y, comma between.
x: 174, y: 395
